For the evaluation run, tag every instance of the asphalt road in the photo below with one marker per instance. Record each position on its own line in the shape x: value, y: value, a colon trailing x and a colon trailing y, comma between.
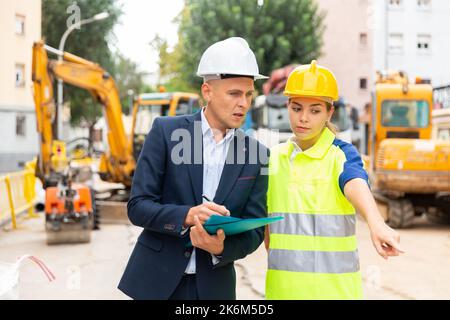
x: 92, y: 271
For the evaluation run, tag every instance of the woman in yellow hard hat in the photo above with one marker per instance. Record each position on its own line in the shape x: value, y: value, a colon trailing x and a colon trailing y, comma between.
x: 316, y: 182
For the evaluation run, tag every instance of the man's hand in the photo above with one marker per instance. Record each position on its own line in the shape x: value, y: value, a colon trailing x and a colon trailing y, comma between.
x: 203, y: 212
x: 202, y: 240
x: 386, y: 241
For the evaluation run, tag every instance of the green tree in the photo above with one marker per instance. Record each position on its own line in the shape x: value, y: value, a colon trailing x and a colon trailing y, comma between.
x: 128, y: 77
x: 169, y: 66
x: 280, y: 32
x: 90, y: 42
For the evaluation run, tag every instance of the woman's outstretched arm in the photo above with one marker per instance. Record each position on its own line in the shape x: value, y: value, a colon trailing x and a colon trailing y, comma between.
x: 385, y: 239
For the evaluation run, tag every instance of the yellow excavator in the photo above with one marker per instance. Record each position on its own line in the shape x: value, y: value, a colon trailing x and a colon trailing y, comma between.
x: 118, y: 163
x: 410, y: 171
x: 148, y: 106
x: 70, y: 203
x: 70, y: 207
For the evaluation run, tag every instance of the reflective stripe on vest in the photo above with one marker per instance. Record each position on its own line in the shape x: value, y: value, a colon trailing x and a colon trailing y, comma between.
x: 313, y: 261
x: 324, y: 225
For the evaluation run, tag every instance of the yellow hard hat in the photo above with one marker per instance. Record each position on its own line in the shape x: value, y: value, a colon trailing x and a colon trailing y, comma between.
x: 312, y: 80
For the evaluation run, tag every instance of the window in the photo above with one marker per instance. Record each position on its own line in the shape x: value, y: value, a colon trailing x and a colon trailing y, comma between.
x: 20, y: 125
x: 424, y: 43
x: 443, y: 134
x: 341, y: 119
x: 441, y: 97
x: 363, y: 38
x: 363, y: 83
x: 405, y: 113
x: 183, y: 108
x: 20, y: 24
x: 98, y: 135
x: 195, y: 105
x: 424, y: 4
x: 395, y: 4
x: 145, y: 116
x: 396, y: 43
x: 277, y: 113
x: 20, y: 75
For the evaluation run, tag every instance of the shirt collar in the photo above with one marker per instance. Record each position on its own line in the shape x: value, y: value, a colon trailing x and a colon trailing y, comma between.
x: 206, y: 129
x: 294, y: 144
x: 318, y: 150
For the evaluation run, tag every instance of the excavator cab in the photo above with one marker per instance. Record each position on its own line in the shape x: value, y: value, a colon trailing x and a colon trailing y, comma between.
x: 402, y: 110
x: 148, y: 106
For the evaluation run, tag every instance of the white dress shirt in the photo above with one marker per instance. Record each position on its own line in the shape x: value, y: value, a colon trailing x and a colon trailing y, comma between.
x: 214, y: 155
x: 296, y: 150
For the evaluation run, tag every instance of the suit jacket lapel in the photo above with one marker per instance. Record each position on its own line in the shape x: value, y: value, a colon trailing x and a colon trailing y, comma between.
x: 195, y: 168
x: 235, y: 162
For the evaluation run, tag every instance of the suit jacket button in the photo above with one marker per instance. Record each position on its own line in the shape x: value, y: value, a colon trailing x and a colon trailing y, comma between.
x: 169, y: 227
x: 187, y: 254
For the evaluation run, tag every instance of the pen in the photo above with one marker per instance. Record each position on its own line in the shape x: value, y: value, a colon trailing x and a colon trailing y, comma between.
x: 207, y: 199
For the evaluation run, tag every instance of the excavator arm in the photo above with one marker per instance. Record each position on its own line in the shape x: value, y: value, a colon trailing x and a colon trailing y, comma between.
x: 118, y: 164
x: 45, y: 109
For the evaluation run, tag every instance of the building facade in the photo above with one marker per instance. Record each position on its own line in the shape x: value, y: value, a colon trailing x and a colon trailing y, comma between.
x: 20, y: 26
x: 348, y: 47
x: 413, y: 36
x: 364, y: 36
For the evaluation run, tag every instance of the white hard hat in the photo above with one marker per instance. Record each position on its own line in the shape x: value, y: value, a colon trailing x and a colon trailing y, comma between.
x: 229, y: 57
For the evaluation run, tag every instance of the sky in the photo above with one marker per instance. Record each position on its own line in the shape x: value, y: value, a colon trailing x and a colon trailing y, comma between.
x: 141, y: 21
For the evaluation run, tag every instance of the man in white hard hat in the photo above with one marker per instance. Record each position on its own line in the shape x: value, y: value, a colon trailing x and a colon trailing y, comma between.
x: 182, y: 179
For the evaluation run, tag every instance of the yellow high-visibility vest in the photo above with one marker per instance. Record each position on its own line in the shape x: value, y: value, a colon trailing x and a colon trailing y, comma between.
x: 313, y: 252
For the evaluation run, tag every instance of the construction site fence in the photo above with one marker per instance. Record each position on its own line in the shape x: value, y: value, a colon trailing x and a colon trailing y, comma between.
x: 17, y: 195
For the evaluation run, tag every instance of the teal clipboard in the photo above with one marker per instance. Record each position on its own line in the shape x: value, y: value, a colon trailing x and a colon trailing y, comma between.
x: 232, y: 225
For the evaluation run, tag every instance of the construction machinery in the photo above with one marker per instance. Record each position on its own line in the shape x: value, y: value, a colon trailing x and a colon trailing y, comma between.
x: 70, y: 208
x: 69, y: 211
x: 117, y: 164
x: 148, y: 106
x: 441, y: 113
x: 410, y: 172
x: 70, y: 198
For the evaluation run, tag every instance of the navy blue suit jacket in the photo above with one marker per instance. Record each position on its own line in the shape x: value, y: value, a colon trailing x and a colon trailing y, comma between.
x: 162, y: 194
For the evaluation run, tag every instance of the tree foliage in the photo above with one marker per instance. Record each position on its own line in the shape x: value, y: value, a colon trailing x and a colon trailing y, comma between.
x: 128, y: 77
x: 90, y: 42
x: 280, y: 32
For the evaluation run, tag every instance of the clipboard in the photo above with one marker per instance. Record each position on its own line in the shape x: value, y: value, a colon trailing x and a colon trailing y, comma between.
x: 232, y: 225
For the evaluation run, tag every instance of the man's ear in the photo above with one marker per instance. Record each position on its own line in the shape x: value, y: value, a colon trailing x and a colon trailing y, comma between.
x: 206, y: 91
